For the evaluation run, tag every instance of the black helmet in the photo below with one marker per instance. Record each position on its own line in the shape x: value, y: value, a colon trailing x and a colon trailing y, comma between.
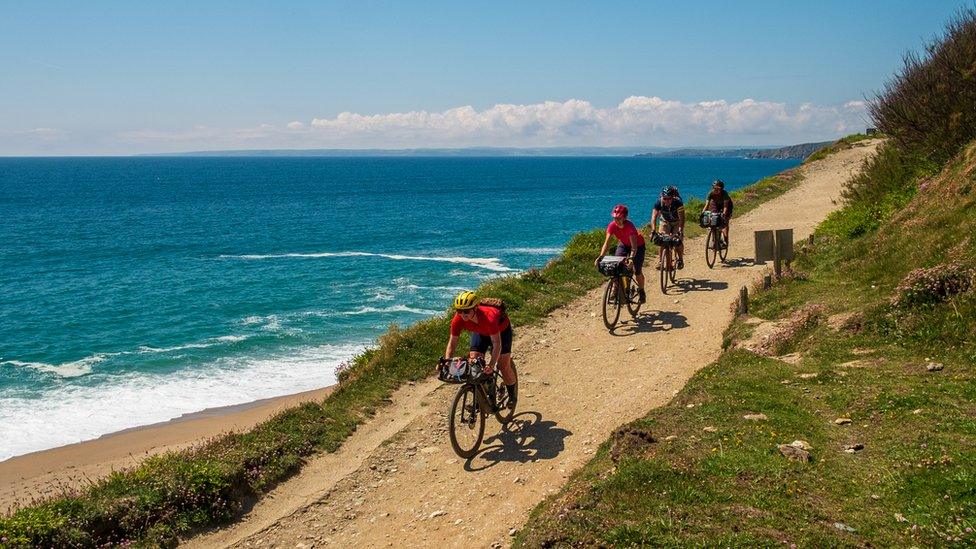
x: 719, y: 183
x: 670, y: 190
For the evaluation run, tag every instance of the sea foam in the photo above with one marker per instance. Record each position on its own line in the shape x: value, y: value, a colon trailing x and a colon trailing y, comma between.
x: 487, y: 263
x: 73, y: 413
x: 75, y: 368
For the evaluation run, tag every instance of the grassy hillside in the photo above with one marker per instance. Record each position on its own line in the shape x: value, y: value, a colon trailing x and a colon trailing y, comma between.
x: 697, y: 472
x: 865, y: 355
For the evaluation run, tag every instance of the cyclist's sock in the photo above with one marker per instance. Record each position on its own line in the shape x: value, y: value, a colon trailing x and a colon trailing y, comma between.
x: 512, y: 392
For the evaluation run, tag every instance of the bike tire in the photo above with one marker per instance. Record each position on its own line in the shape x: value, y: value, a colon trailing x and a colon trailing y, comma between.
x: 723, y: 251
x: 502, y: 412
x: 711, y: 247
x: 633, y: 298
x: 611, y: 304
x: 465, y: 397
x: 664, y: 259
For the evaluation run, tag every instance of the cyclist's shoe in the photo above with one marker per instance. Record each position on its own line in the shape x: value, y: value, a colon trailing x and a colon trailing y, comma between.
x: 641, y: 296
x: 681, y: 263
x: 512, y: 396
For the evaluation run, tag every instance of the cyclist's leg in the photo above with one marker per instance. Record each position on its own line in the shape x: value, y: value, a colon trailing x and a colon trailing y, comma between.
x: 725, y: 229
x: 505, y: 366
x: 479, y: 345
x: 639, y: 268
x: 505, y: 358
x: 663, y: 228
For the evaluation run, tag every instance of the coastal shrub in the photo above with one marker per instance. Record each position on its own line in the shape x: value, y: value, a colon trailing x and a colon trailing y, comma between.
x: 933, y: 285
x: 929, y: 106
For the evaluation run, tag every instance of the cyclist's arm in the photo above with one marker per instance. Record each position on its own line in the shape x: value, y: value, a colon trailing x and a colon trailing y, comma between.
x: 654, y: 215
x: 681, y: 219
x: 633, y: 245
x: 606, y: 243
x: 451, y: 345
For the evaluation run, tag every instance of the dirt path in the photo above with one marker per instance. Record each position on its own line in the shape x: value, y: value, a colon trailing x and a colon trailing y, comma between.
x: 396, y: 482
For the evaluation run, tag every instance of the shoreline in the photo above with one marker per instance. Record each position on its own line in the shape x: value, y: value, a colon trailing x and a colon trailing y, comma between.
x: 48, y: 472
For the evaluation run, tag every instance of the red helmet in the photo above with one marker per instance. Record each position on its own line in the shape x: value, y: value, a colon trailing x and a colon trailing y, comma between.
x: 619, y: 211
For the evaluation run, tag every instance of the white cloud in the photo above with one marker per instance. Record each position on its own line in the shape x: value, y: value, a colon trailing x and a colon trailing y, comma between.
x: 637, y: 120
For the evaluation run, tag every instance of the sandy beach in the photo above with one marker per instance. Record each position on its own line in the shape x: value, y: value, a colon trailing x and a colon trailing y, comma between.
x: 48, y: 472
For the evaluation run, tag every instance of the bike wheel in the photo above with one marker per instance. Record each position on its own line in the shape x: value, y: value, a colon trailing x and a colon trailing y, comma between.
x: 633, y: 297
x: 466, y: 424
x: 502, y: 412
x: 611, y: 304
x: 712, y: 243
x: 723, y: 250
x: 664, y: 260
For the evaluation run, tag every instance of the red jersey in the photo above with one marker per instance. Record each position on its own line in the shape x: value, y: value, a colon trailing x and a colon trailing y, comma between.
x: 624, y: 233
x: 488, y: 321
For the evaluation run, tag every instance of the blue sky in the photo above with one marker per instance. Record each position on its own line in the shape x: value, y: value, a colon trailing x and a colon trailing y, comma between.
x: 126, y: 77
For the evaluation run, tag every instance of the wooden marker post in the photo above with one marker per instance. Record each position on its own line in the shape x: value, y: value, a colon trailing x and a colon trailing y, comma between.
x: 765, y: 246
x: 743, y: 301
x: 783, y: 249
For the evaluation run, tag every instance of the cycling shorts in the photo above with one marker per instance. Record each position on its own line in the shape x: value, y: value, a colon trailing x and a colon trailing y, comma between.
x: 624, y: 251
x: 669, y: 228
x: 482, y: 343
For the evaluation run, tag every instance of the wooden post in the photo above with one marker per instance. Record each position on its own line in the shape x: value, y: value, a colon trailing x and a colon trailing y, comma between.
x: 765, y: 244
x: 743, y: 301
x: 810, y: 239
x: 777, y: 266
x: 767, y: 282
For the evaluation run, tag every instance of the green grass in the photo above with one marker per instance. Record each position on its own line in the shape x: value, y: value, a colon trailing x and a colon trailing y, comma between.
x: 912, y: 484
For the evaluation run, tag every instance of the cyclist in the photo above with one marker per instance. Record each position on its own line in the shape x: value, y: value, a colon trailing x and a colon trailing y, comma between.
x: 670, y: 211
x: 719, y: 201
x: 630, y: 244
x: 490, y: 329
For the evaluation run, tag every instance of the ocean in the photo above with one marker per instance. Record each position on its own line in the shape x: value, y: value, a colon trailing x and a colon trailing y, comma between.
x: 136, y: 290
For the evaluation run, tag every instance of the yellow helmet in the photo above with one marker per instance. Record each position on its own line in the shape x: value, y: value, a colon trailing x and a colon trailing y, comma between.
x: 465, y: 300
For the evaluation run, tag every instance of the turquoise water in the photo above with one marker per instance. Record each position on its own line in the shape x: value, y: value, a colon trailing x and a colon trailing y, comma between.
x: 135, y: 290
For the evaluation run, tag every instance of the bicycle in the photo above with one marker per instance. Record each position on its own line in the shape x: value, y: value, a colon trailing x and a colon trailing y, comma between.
x: 667, y: 260
x: 480, y: 394
x: 716, y: 245
x: 621, y: 289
